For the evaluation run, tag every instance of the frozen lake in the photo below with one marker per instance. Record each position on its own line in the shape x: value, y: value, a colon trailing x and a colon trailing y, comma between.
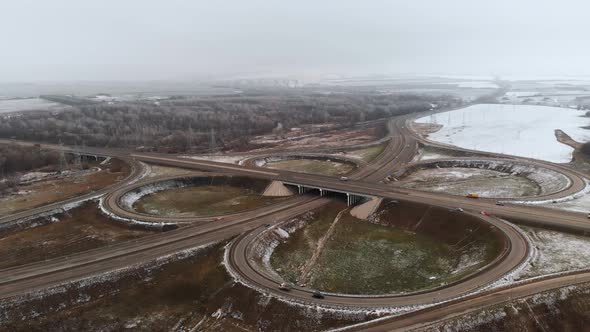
x: 28, y: 104
x: 520, y: 130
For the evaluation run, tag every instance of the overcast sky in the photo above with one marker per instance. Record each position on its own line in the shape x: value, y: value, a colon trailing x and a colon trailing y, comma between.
x: 46, y: 40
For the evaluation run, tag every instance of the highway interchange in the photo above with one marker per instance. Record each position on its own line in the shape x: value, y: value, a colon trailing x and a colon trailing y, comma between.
x: 447, y: 302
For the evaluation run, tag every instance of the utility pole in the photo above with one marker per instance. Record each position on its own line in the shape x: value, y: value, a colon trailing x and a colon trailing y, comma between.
x: 77, y: 165
x: 77, y: 158
x: 212, y: 145
x: 189, y: 138
x: 83, y: 157
x: 63, y: 163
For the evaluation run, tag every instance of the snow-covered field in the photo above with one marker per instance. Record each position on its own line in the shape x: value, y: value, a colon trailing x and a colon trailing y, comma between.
x: 474, y: 84
x: 28, y: 104
x: 521, y: 130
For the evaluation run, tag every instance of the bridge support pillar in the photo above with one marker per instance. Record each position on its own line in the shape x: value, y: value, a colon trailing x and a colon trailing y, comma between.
x: 352, y: 199
x: 302, y: 189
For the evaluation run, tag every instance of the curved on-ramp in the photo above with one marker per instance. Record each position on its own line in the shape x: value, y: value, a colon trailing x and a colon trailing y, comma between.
x: 113, y: 206
x: 576, y: 184
x: 513, y: 254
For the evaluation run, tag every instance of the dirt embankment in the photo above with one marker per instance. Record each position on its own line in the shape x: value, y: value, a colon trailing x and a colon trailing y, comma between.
x: 191, y: 292
x: 82, y: 228
x: 424, y: 129
x: 566, y: 139
x: 564, y: 309
x: 38, y: 193
x: 454, y: 228
x: 320, y: 137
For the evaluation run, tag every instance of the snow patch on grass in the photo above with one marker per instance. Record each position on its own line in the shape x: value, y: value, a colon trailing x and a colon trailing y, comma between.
x: 271, y: 238
x: 556, y: 252
x: 133, y: 196
x: 132, y: 222
x: 548, y: 202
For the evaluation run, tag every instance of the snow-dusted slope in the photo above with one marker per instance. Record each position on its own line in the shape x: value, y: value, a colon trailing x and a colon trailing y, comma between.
x: 521, y: 130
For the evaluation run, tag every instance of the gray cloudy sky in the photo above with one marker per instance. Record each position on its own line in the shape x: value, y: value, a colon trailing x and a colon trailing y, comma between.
x: 176, y: 39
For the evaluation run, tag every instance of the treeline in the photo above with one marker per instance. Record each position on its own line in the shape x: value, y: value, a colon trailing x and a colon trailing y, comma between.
x: 190, y: 123
x: 585, y: 148
x: 16, y: 158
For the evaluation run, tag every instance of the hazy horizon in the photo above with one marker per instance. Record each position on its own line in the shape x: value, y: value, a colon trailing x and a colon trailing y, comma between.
x: 66, y: 40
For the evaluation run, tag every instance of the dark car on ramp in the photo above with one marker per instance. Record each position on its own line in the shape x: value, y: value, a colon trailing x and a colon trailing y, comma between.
x: 317, y: 295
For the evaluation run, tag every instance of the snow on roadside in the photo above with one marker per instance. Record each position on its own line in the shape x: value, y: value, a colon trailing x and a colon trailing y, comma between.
x: 132, y: 222
x: 31, y: 177
x: 35, y: 176
x: 220, y: 158
x: 43, y: 218
x: 556, y: 252
x: 10, y: 308
x: 424, y: 154
x: 546, y: 202
x: 480, y: 320
x: 521, y: 130
x: 580, y: 203
x: 129, y: 198
x: 513, y: 276
x: 269, y: 239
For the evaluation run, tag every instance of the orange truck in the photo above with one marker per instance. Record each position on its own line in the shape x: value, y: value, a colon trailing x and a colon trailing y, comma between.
x: 472, y: 195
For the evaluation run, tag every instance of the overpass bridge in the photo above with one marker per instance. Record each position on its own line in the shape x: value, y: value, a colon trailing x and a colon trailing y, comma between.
x: 352, y: 198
